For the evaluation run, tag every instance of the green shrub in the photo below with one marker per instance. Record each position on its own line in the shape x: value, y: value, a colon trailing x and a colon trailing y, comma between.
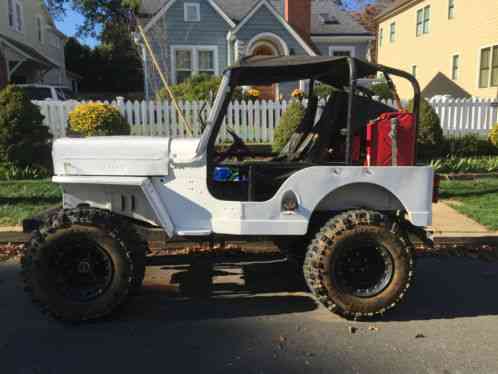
x: 493, y: 135
x: 94, y: 119
x: 382, y: 90
x: 470, y: 145
x: 466, y: 165
x: 323, y: 90
x: 24, y: 141
x: 430, y: 138
x: 287, y: 125
x: 200, y: 87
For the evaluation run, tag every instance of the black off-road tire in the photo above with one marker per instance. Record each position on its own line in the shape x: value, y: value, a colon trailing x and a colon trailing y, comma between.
x: 118, y: 243
x: 324, y: 255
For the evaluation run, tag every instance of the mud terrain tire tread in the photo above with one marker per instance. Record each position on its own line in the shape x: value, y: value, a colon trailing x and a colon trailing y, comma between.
x: 132, y: 245
x: 322, y: 246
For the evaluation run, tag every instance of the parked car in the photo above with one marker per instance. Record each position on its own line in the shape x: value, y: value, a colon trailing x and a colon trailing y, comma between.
x: 46, y: 92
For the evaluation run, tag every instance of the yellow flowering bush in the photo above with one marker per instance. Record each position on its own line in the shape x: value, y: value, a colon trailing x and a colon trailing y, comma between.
x: 253, y: 92
x: 493, y: 135
x: 93, y: 119
x: 297, y: 94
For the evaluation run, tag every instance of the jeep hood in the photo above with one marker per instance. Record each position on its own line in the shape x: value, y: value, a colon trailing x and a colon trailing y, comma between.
x: 112, y: 156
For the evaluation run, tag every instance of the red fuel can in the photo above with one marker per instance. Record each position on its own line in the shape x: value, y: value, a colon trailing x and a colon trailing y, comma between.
x: 379, y: 140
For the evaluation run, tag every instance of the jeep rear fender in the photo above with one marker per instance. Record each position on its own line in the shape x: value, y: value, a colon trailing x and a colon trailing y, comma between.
x: 360, y: 195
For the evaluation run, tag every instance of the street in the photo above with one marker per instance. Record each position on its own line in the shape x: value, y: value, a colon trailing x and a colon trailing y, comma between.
x: 253, y: 315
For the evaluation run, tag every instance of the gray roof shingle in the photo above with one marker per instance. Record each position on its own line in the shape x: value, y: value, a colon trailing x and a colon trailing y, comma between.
x: 238, y: 9
x: 343, y: 23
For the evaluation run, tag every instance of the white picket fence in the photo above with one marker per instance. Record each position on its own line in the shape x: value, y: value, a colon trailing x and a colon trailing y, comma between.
x: 255, y: 121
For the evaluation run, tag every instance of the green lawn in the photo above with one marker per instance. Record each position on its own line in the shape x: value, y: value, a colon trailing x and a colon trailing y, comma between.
x: 23, y: 199
x: 477, y: 199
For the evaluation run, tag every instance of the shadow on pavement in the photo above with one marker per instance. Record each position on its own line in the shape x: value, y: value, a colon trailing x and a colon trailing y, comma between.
x: 449, y: 287
x: 231, y: 287
x: 205, y: 287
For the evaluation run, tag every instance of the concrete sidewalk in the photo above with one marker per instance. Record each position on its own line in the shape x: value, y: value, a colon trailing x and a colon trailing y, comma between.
x: 447, y: 222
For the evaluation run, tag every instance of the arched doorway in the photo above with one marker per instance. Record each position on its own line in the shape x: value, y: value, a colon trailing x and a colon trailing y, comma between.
x: 267, y: 44
x: 3, y: 71
x: 266, y: 49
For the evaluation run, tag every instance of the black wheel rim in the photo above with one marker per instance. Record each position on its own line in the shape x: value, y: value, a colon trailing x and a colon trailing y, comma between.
x: 81, y: 269
x: 364, y: 268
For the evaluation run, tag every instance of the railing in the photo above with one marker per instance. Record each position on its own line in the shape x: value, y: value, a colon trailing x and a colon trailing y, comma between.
x: 255, y: 121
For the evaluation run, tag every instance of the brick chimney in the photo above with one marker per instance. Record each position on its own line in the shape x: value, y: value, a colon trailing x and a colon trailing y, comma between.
x: 298, y: 14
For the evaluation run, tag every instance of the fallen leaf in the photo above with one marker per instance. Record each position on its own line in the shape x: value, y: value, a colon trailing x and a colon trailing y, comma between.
x: 419, y: 336
x: 373, y: 328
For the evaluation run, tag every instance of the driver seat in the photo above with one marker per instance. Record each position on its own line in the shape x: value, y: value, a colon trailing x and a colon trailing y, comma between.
x: 302, y: 130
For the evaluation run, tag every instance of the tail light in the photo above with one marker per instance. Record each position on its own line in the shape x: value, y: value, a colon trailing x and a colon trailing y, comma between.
x: 435, y: 191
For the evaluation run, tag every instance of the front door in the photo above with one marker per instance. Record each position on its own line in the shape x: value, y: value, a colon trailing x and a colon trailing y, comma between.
x: 267, y: 92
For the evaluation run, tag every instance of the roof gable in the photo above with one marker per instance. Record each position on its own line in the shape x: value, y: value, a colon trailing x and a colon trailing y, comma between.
x: 166, y: 4
x: 395, y: 6
x: 278, y: 18
x: 238, y: 9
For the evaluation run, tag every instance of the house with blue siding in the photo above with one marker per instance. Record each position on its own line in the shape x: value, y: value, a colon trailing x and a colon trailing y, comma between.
x: 206, y: 36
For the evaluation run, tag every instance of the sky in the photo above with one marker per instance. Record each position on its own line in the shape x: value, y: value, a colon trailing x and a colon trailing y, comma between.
x: 69, y: 25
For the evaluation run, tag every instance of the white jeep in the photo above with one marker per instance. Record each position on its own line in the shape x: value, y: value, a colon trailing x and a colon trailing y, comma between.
x: 336, y: 198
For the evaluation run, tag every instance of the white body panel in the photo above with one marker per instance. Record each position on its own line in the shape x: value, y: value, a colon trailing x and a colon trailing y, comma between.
x: 111, y: 156
x: 180, y: 202
x: 165, y: 182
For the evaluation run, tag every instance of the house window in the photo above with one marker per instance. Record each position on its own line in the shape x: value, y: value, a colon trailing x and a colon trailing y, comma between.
x: 414, y: 70
x: 12, y: 16
x: 381, y: 37
x: 19, y: 17
x: 423, y: 20
x: 494, y: 67
x: 15, y: 14
x: 206, y: 62
x: 392, y: 32
x: 451, y: 9
x: 192, y: 12
x: 484, y: 68
x: 183, y: 65
x: 488, y: 68
x: 455, y: 67
x: 54, y: 40
x: 191, y: 60
x: 39, y: 29
x: 342, y: 51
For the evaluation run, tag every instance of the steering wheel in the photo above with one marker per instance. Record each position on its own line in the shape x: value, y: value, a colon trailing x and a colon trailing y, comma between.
x: 238, y: 149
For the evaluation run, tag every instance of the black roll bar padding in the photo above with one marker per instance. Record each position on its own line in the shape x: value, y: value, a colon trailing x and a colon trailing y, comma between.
x: 352, y: 82
x: 311, y: 89
x: 393, y: 90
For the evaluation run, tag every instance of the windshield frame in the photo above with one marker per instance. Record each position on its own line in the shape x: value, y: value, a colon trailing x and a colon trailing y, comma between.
x: 215, y: 115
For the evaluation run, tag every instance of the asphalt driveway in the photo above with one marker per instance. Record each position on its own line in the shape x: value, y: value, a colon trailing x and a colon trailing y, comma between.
x: 253, y: 315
